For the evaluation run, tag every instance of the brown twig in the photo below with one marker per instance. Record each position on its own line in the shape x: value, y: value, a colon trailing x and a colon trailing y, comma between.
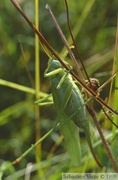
x: 109, y: 153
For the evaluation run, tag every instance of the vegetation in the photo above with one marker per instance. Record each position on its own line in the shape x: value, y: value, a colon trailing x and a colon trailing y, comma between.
x: 94, y: 25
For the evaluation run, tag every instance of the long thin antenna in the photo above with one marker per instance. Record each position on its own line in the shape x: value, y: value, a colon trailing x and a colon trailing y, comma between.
x: 64, y: 41
x: 75, y: 45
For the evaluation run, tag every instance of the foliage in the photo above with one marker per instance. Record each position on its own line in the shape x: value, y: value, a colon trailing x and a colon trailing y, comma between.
x: 94, y: 28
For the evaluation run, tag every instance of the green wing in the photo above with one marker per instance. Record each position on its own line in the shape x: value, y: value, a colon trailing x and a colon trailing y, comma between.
x: 69, y: 129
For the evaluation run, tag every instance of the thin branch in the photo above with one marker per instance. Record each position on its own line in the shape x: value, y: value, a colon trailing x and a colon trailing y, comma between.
x: 109, y: 153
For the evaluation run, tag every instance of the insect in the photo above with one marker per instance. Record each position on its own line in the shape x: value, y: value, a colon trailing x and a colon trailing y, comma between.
x: 88, y: 89
x: 74, y: 107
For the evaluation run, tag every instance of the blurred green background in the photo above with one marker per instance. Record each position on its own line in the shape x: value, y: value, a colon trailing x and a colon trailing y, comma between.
x: 94, y: 28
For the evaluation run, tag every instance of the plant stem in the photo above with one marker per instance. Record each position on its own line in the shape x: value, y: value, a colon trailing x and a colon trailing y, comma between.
x: 37, y: 82
x: 31, y: 148
x: 22, y: 88
x: 109, y: 153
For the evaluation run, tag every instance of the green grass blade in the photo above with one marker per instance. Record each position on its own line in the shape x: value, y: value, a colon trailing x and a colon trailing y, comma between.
x: 115, y: 119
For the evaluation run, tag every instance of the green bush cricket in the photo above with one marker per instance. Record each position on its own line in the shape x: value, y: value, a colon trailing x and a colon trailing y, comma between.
x: 43, y: 41
x: 74, y: 106
x: 91, y: 85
